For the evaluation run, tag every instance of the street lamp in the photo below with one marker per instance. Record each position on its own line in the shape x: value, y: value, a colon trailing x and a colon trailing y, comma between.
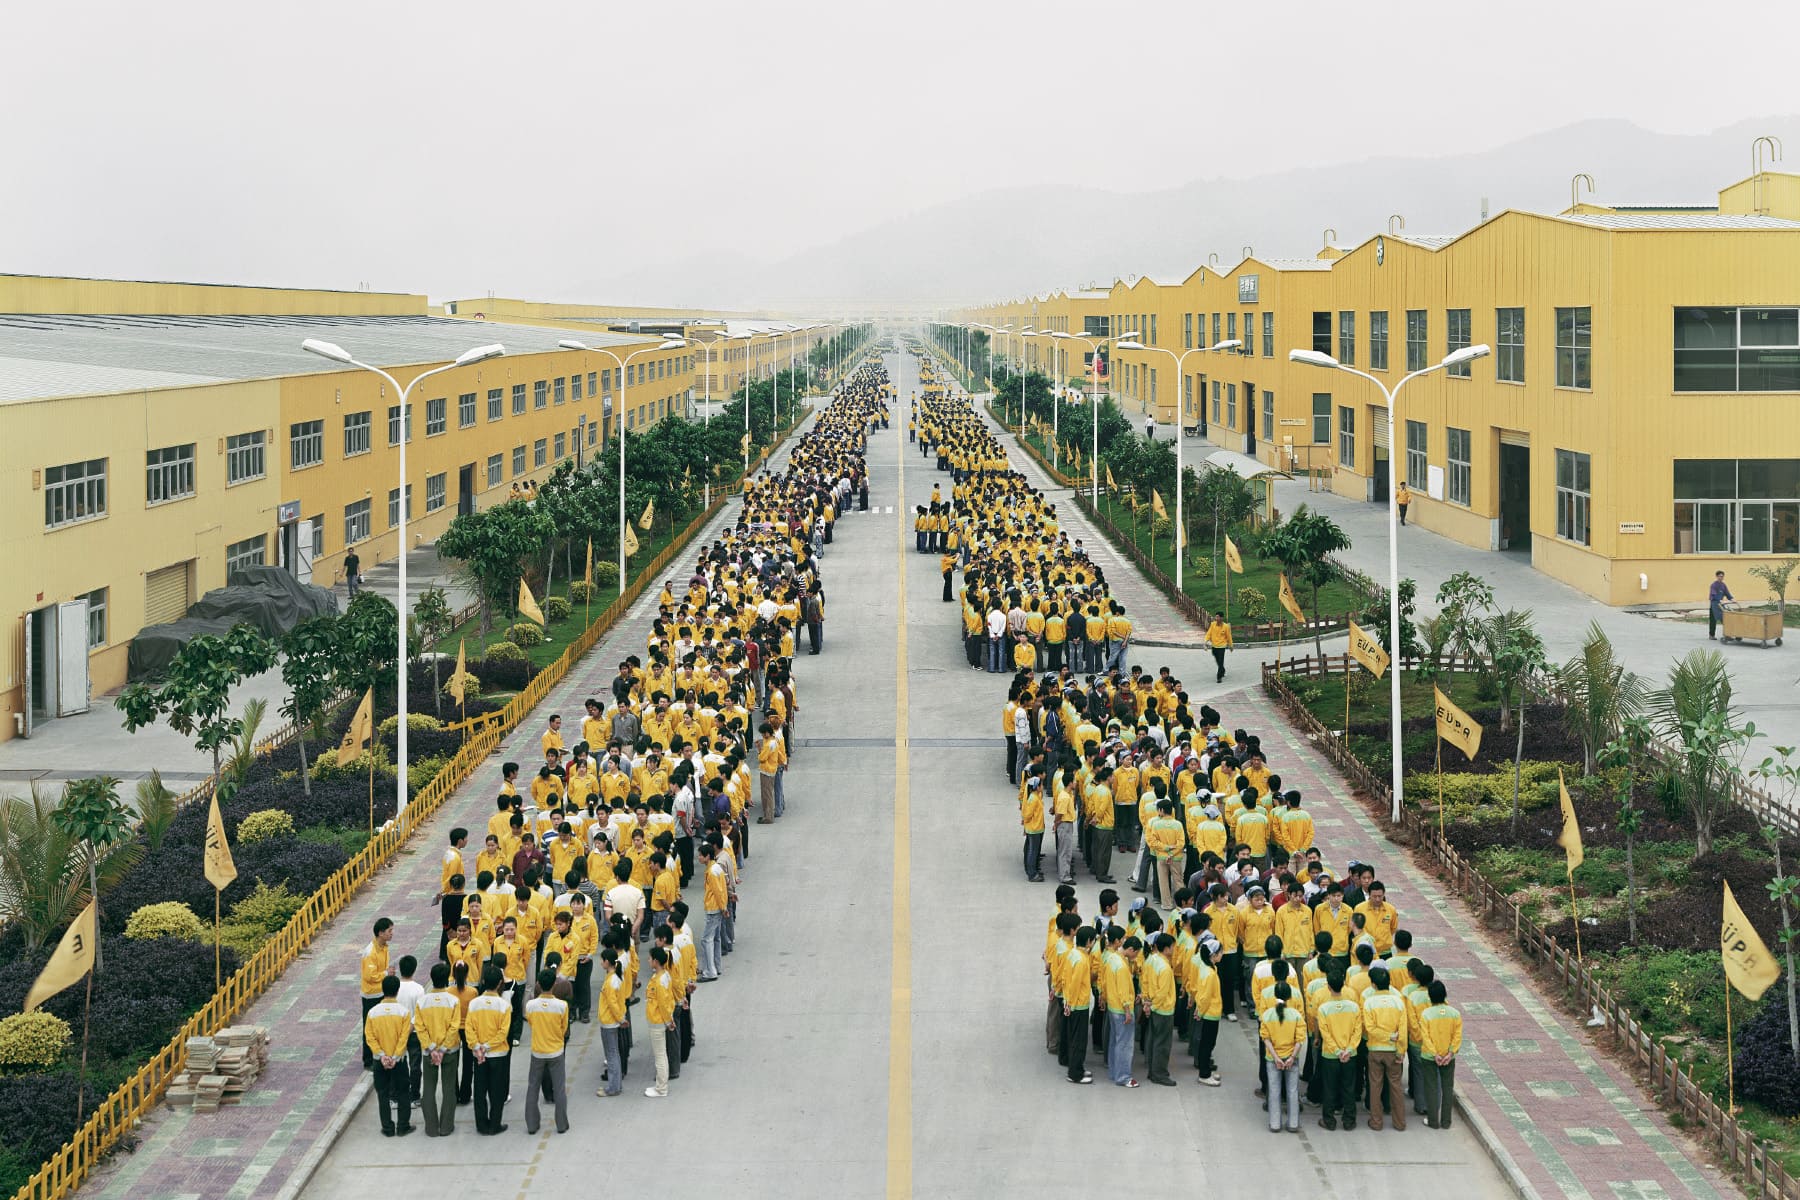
x: 337, y: 354
x: 1094, y: 397
x: 1180, y: 425
x: 1456, y: 358
x: 619, y: 422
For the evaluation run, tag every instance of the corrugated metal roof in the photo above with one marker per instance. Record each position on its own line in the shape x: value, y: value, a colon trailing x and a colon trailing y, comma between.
x: 1689, y: 221
x: 1297, y: 264
x: 46, y: 354
x: 1430, y: 241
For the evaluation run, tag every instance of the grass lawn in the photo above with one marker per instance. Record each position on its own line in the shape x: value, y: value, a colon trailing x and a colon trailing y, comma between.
x: 1323, y: 696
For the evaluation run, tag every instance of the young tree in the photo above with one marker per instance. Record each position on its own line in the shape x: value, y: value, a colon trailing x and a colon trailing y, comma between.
x: 1623, y: 754
x: 1600, y: 691
x: 1304, y: 545
x: 1781, y: 774
x: 1228, y: 497
x: 46, y: 874
x: 92, y: 817
x: 1517, y: 653
x: 1464, y: 602
x: 194, y: 698
x: 1695, y: 711
x: 1778, y: 575
x: 368, y: 651
x: 494, y: 544
x: 308, y: 667
x: 434, y: 620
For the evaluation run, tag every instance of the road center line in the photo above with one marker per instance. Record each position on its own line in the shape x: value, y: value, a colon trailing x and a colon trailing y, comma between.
x: 899, y: 1131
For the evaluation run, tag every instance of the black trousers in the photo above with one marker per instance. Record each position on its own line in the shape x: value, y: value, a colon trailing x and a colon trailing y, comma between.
x: 1074, y: 1043
x: 1231, y: 966
x: 1219, y: 657
x: 1338, y: 1096
x: 947, y: 596
x: 465, y: 1076
x: 415, y: 1066
x: 1204, y: 1043
x: 1012, y: 759
x: 684, y: 850
x: 393, y: 1088
x: 368, y: 1002
x: 492, y: 1079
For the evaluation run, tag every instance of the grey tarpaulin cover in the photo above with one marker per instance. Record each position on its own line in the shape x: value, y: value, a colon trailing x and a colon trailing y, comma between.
x: 269, y: 598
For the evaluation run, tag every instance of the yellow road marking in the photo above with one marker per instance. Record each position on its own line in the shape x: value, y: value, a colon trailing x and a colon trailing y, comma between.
x: 899, y: 1134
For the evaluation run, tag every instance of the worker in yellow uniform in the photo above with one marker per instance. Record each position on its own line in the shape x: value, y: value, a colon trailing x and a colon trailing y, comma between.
x: 1167, y: 841
x: 1340, y: 1021
x: 374, y: 970
x: 1218, y: 639
x: 1118, y: 637
x: 386, y: 1028
x: 437, y: 1020
x: 548, y: 1016
x: 1440, y: 1041
x: 1158, y: 980
x: 1283, y: 1030
x: 1384, y: 1026
x: 659, y: 1011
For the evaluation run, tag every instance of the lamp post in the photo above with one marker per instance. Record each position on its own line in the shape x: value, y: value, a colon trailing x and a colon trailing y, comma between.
x: 1180, y: 424
x: 1455, y: 358
x: 619, y: 423
x: 337, y: 354
x: 1094, y: 397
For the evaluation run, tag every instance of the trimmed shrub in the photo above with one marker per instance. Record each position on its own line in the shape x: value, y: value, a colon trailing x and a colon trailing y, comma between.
x: 169, y: 918
x: 1766, y: 1071
x: 557, y: 608
x: 422, y: 772
x: 471, y: 686
x: 509, y: 674
x: 606, y: 574
x: 37, y: 1111
x: 32, y: 1041
x: 1254, y: 602
x: 581, y: 592
x: 243, y: 940
x: 416, y: 722
x: 264, y: 824
x: 501, y: 652
x: 267, y: 908
x: 525, y: 634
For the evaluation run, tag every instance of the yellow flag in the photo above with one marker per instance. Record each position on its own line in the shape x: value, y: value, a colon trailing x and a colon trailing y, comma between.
x: 362, y: 728
x: 1111, y: 486
x: 528, y: 605
x: 456, y: 686
x: 588, y: 576
x: 1456, y: 726
x: 1748, y: 964
x: 220, y: 870
x: 1232, y: 558
x: 1570, y: 837
x: 74, y: 958
x: 649, y: 514
x: 1367, y: 651
x: 631, y: 542
x: 1156, y: 504
x: 1288, y: 602
x: 744, y: 443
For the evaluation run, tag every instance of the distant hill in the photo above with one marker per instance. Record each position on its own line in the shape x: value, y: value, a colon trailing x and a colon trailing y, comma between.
x: 1014, y: 241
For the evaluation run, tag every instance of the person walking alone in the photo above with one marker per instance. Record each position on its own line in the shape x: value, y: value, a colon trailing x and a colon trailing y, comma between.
x: 1218, y: 639
x: 1402, y: 499
x: 1716, y: 596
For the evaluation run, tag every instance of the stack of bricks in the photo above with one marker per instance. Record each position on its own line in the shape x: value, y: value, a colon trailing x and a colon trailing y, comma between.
x: 221, y: 1068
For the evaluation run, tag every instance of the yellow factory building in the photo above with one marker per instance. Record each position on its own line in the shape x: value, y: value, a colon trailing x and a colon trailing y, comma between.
x: 154, y: 436
x: 1632, y: 430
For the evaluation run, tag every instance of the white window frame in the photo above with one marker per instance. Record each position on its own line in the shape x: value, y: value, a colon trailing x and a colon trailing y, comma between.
x: 437, y: 415
x: 250, y: 552
x: 356, y: 522
x: 168, y: 474
x: 465, y: 410
x: 1574, y: 505
x: 1416, y: 458
x: 246, y: 457
x: 437, y: 490
x: 1458, y: 475
x: 358, y: 433
x: 306, y: 444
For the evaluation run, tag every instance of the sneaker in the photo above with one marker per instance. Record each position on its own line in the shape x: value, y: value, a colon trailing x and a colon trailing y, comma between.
x: 1131, y: 1083
x: 654, y: 1094
x: 1083, y: 1079
x: 1231, y: 1017
x: 1212, y: 1081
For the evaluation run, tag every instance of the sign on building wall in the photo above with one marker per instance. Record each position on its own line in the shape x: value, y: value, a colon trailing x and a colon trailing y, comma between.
x: 1247, y: 288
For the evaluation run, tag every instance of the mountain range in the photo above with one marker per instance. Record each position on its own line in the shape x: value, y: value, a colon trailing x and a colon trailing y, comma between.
x: 1015, y: 241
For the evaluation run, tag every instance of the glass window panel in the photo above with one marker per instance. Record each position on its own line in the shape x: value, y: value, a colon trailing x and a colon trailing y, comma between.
x: 1705, y: 328
x: 1684, y: 528
x: 1769, y: 327
x: 1785, y: 531
x: 1707, y: 479
x: 1768, y: 370
x: 1715, y: 528
x: 1753, y: 531
x: 1706, y: 370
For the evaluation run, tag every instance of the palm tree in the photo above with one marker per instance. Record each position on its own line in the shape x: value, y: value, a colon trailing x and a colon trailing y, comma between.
x: 1696, y: 713
x: 45, y: 869
x: 1600, y: 691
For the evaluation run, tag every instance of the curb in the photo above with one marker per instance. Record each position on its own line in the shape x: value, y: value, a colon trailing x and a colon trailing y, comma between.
x: 322, y: 1145
x: 1500, y: 1155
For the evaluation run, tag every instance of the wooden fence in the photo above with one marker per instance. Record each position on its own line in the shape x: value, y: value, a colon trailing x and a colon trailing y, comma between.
x: 1671, y: 1081
x: 118, y: 1115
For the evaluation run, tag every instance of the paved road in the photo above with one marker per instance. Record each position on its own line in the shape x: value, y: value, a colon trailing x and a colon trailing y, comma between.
x: 818, y: 1071
x: 1765, y: 678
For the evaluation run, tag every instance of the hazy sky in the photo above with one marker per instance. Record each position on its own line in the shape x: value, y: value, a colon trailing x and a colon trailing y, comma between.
x: 541, y: 149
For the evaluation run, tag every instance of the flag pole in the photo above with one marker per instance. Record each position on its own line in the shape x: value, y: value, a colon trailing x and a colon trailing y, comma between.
x: 1730, y: 1058
x: 1575, y: 918
x: 1346, y: 701
x: 215, y: 939
x: 371, y: 753
x: 87, y: 1008
x: 1440, y: 786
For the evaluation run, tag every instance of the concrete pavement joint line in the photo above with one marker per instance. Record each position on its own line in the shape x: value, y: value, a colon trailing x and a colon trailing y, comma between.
x: 899, y: 1129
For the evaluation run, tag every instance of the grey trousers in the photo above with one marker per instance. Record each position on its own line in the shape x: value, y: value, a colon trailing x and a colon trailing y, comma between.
x: 1284, y: 1084
x: 1118, y: 1047
x: 1065, y: 853
x: 615, y: 1062
x: 438, y: 1095
x: 1439, y: 1086
x: 1159, y: 1037
x: 553, y: 1070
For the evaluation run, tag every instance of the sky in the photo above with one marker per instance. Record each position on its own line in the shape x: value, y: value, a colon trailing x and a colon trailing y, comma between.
x: 546, y: 150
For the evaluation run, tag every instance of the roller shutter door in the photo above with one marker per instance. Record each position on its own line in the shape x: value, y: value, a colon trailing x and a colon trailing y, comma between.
x: 1380, y: 425
x: 166, y: 595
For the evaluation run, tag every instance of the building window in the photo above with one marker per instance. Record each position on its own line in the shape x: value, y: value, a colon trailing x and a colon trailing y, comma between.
x: 436, y: 488
x: 575, y: 387
x: 1231, y: 406
x: 1153, y: 385
x: 1378, y: 341
x: 1572, y: 496
x: 1321, y: 418
x: 518, y: 399
x: 1737, y: 506
x: 1457, y: 337
x: 1268, y: 335
x: 356, y: 523
x: 169, y: 474
x: 251, y: 552
x: 318, y: 535
x: 436, y: 416
x: 593, y: 432
x: 1154, y: 340
x: 1416, y: 444
x: 74, y: 492
x: 1347, y: 437
x: 1230, y: 326
x: 540, y: 394
x: 96, y: 601
x: 606, y: 381
x: 1575, y: 348
x: 518, y: 461
x: 1457, y: 452
x: 394, y: 505
x: 306, y: 444
x: 1248, y: 349
x: 1737, y: 349
x: 356, y: 433
x: 244, y: 458
x: 496, y: 469
x: 1187, y: 331
x: 394, y: 424
x: 561, y: 389
x: 496, y: 403
x: 540, y: 452
x: 465, y: 410
x: 1347, y: 338
x: 1268, y: 399
x: 562, y: 447
x: 1509, y: 345
x: 1216, y: 339
x: 592, y: 377
x: 1418, y: 325
x: 1321, y: 337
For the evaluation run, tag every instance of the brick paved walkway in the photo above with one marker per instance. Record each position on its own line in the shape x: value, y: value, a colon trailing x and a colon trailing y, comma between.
x: 1563, y: 1115
x: 264, y: 1145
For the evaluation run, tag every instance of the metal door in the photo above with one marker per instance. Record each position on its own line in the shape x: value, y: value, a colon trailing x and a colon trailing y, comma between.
x: 303, y: 550
x: 71, y: 658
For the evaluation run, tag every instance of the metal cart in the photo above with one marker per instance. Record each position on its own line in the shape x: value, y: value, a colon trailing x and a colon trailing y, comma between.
x: 1744, y: 622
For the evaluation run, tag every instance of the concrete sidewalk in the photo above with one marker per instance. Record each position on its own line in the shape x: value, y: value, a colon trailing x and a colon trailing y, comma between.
x: 1765, y: 678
